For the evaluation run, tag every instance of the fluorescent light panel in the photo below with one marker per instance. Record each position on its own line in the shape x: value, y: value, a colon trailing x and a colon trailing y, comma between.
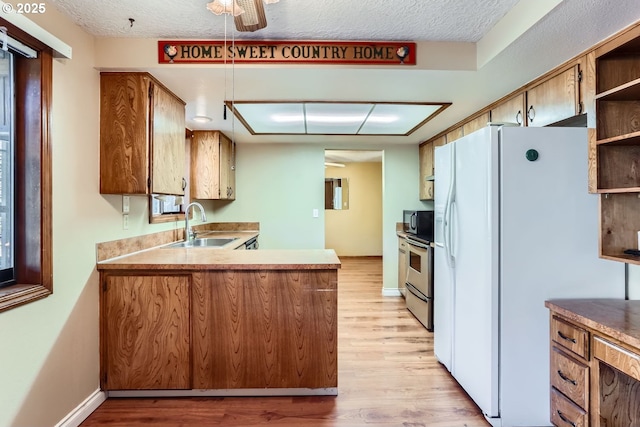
x: 340, y: 118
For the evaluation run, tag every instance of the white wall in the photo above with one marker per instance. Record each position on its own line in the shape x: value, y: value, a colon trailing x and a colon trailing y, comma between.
x: 279, y: 185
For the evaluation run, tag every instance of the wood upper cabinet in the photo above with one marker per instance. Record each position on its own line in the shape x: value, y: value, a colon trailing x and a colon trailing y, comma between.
x: 510, y: 111
x: 212, y: 166
x: 427, y: 166
x: 457, y: 133
x: 426, y: 170
x: 616, y: 145
x: 142, y: 124
x: 475, y: 124
x: 145, y: 328
x: 555, y: 99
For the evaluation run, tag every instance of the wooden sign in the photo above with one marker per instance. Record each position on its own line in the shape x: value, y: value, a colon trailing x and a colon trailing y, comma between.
x: 297, y: 52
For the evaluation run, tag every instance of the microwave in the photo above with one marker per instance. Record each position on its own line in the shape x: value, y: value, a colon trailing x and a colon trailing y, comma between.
x: 419, y: 223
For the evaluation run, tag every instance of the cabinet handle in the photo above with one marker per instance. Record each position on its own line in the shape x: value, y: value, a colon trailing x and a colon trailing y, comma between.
x: 531, y: 113
x: 566, y: 338
x: 430, y: 191
x: 566, y: 378
x: 563, y: 418
x: 519, y: 117
x: 184, y: 183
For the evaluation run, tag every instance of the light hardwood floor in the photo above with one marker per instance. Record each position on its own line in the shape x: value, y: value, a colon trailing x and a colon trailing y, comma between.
x: 387, y: 377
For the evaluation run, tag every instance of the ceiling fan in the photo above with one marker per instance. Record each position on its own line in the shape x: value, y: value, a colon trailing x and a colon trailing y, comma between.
x: 248, y: 14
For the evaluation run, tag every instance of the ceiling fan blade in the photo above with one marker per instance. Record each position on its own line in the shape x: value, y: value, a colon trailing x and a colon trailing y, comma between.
x: 253, y: 17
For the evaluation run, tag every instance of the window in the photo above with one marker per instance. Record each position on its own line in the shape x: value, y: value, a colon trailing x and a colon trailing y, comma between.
x: 7, y: 107
x: 25, y: 171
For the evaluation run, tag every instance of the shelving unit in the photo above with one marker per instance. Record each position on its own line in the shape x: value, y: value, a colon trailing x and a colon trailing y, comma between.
x: 618, y: 145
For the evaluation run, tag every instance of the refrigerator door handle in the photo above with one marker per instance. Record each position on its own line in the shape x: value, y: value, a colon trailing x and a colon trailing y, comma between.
x: 452, y: 233
x: 449, y: 207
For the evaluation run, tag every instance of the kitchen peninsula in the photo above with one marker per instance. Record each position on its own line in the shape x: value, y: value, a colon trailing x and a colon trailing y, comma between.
x: 200, y: 321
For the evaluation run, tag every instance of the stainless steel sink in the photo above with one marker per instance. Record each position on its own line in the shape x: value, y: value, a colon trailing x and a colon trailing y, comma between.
x: 204, y: 242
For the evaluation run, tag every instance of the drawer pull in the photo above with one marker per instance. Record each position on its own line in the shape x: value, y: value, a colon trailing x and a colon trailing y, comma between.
x: 566, y: 378
x: 563, y: 418
x: 566, y: 338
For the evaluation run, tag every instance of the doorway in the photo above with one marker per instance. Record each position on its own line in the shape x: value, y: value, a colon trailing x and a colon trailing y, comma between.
x: 353, y: 202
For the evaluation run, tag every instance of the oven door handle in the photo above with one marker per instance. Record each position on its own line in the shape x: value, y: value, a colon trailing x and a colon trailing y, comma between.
x: 417, y: 244
x: 417, y: 293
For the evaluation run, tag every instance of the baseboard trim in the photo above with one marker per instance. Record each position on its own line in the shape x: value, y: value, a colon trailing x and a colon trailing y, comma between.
x: 242, y: 392
x: 83, y: 410
x: 391, y: 292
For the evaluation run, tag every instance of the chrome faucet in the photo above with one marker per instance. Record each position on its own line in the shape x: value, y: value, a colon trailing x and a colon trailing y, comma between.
x: 189, y: 234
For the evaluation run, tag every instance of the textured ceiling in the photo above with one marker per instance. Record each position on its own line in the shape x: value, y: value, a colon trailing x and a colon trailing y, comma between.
x: 571, y: 27
x: 435, y: 20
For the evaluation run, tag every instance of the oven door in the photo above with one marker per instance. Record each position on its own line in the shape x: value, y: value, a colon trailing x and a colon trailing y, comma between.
x: 419, y: 267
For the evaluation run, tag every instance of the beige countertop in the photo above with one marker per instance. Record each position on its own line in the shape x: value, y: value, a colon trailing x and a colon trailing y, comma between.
x: 224, y: 258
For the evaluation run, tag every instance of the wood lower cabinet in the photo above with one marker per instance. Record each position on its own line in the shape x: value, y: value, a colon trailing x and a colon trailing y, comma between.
x: 145, y: 322
x: 595, y: 362
x: 142, y: 126
x: 265, y: 329
x: 212, y: 166
x: 555, y: 99
x: 219, y: 329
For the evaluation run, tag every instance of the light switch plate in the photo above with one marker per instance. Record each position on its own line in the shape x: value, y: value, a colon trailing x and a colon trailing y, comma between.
x: 125, y: 204
x: 316, y: 213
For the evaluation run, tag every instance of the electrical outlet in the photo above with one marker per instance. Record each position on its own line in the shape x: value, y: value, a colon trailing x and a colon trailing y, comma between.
x: 125, y: 204
x: 125, y: 222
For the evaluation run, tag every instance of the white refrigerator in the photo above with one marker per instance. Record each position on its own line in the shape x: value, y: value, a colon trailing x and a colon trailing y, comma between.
x: 514, y: 226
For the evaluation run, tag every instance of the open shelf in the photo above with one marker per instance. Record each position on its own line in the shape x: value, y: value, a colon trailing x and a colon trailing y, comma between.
x: 626, y: 139
x: 629, y: 91
x: 618, y: 168
x: 619, y: 226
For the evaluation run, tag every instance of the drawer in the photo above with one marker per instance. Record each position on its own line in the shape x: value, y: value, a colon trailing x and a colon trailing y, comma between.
x: 570, y: 377
x: 620, y: 358
x: 564, y: 413
x: 570, y: 337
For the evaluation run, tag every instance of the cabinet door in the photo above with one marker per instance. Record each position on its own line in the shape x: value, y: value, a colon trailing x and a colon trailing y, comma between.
x: 205, y: 165
x: 145, y: 332
x: 259, y: 329
x: 426, y: 170
x: 454, y: 134
x: 227, y: 168
x: 124, y: 139
x: 475, y: 124
x: 555, y: 99
x: 510, y: 111
x: 168, y: 146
